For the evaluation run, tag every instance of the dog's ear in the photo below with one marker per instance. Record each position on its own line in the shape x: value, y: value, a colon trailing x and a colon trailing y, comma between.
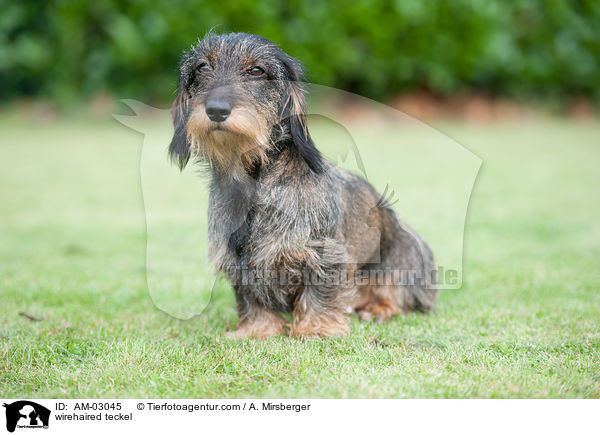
x: 293, y: 114
x: 179, y: 149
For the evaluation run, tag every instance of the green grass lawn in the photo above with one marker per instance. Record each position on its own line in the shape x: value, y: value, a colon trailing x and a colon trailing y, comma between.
x: 526, y: 322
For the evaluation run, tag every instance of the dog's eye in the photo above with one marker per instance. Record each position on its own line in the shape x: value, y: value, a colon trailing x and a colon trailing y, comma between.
x: 255, y: 71
x: 203, y: 67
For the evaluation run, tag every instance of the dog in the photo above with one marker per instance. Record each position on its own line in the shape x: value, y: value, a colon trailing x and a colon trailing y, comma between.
x: 292, y: 232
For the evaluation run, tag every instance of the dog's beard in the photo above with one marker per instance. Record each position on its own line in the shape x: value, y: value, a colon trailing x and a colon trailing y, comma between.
x: 241, y: 142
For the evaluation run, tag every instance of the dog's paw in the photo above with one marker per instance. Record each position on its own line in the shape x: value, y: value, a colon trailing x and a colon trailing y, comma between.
x: 269, y: 325
x: 378, y: 312
x: 367, y: 316
x: 323, y: 325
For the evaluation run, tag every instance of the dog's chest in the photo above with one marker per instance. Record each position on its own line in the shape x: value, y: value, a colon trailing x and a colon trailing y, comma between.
x: 238, y: 239
x: 259, y: 228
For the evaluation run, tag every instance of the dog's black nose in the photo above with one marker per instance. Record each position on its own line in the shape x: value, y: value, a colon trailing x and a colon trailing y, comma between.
x: 218, y: 110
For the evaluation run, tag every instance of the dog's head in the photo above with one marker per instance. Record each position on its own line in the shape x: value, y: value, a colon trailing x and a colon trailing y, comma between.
x: 239, y: 97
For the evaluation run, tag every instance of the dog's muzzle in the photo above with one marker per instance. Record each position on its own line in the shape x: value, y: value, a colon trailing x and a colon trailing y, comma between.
x: 217, y: 110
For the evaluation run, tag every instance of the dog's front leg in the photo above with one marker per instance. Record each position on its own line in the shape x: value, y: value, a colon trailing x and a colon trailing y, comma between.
x: 255, y: 321
x: 321, y: 309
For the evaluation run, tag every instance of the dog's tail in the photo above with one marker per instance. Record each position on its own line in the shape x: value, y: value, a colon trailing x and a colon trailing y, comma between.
x: 422, y: 294
x: 407, y: 251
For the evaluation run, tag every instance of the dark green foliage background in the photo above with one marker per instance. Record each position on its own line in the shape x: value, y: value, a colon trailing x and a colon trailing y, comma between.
x: 70, y: 49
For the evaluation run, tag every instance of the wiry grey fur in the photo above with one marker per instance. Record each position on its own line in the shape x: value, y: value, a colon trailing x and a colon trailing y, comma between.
x: 278, y: 209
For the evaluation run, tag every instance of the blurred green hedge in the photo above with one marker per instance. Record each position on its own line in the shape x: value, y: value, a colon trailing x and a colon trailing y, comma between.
x: 71, y: 49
